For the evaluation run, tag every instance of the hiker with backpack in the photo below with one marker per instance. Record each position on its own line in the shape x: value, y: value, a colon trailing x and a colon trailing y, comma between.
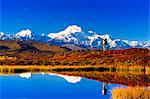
x: 104, y: 43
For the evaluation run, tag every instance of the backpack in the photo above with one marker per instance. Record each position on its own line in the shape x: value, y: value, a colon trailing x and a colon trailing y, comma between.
x: 105, y: 42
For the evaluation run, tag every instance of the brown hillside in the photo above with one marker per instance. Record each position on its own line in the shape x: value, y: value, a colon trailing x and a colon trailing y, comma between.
x: 13, y: 45
x: 35, y: 53
x: 30, y: 45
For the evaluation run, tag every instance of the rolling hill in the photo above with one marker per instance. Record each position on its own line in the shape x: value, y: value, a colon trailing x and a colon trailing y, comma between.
x: 36, y: 53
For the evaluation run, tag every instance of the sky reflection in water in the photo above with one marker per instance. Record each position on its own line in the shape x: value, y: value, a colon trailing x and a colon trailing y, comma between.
x: 51, y: 86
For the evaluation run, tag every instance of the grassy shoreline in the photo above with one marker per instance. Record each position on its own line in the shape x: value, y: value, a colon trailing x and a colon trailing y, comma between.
x: 75, y: 68
x: 126, y: 76
x: 34, y: 68
x: 131, y: 93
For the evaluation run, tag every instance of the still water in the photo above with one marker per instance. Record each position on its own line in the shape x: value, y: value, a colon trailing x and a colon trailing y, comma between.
x: 52, y: 86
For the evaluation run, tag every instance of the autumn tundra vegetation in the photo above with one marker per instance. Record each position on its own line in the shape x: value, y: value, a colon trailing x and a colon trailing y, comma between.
x: 35, y: 53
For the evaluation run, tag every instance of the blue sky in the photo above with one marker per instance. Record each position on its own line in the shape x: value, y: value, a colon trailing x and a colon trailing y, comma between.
x: 125, y: 19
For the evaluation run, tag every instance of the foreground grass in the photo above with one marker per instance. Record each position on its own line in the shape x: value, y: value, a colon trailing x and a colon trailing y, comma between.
x: 131, y: 93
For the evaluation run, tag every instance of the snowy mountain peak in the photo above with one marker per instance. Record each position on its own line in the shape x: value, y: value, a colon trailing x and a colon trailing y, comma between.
x: 25, y: 33
x: 66, y: 33
x: 73, y: 29
x: 133, y: 43
x: 2, y: 34
x: 107, y: 36
x: 146, y: 44
x: 73, y: 35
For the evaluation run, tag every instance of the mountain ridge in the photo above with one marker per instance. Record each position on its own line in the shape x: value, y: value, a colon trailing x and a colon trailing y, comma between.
x: 74, y: 35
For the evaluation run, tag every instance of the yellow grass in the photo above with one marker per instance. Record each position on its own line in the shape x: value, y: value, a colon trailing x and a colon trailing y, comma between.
x: 134, y: 68
x: 131, y: 93
x: 2, y: 58
x: 121, y: 71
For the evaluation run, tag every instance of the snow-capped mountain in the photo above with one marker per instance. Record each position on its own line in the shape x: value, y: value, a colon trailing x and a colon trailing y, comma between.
x: 2, y: 34
x: 22, y: 35
x: 74, y: 35
x: 146, y: 44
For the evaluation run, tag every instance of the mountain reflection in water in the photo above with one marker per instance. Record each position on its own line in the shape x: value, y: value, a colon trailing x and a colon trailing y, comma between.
x: 25, y: 75
x: 70, y: 79
x: 52, y: 86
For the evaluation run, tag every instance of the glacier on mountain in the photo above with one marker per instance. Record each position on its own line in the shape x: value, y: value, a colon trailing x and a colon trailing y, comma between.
x: 24, y: 33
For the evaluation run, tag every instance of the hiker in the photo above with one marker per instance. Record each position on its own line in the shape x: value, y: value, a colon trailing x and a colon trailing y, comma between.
x: 105, y: 43
x: 104, y: 88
